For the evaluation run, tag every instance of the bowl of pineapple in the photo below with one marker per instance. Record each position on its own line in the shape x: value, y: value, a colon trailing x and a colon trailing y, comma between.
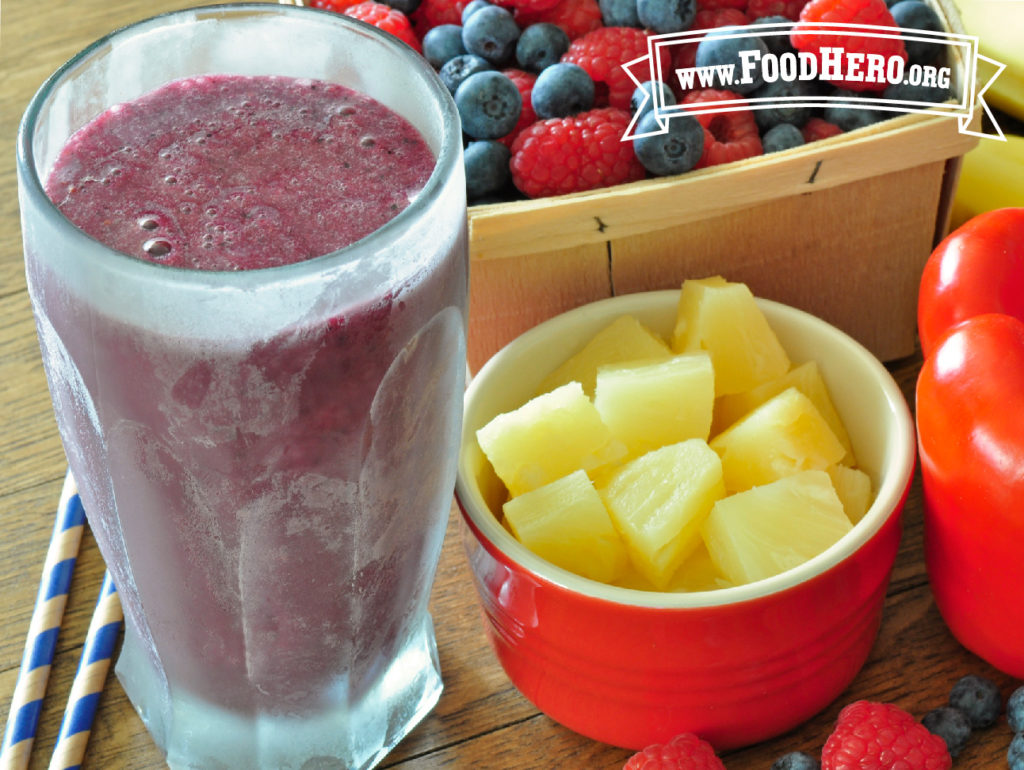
x: 682, y: 509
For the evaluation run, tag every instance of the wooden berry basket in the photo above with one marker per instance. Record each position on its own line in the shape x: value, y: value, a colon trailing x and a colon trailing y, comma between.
x: 839, y: 227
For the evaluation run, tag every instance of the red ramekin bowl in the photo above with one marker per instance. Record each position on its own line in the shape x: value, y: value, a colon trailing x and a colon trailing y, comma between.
x: 736, y: 665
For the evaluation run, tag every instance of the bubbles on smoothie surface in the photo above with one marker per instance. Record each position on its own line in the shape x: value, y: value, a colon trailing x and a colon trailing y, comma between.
x: 235, y: 172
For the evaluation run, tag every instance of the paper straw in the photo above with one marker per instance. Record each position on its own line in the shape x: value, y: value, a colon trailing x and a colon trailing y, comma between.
x: 100, y: 642
x: 43, y: 629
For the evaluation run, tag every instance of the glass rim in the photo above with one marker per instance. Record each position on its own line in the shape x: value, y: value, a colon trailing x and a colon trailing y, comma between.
x: 448, y: 154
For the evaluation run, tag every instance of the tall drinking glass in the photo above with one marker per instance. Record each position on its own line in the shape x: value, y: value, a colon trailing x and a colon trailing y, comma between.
x: 266, y: 456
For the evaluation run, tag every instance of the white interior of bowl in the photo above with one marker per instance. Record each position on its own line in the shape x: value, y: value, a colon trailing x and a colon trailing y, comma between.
x: 868, y: 400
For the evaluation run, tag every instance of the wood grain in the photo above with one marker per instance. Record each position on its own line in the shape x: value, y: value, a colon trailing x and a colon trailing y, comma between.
x: 480, y: 721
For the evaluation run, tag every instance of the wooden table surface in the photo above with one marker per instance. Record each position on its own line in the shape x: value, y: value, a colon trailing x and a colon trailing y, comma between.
x: 481, y: 721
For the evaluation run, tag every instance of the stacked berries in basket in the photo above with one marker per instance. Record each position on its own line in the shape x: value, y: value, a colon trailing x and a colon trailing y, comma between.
x: 545, y: 101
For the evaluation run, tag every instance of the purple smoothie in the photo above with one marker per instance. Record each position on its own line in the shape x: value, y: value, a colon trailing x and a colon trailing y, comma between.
x: 280, y: 497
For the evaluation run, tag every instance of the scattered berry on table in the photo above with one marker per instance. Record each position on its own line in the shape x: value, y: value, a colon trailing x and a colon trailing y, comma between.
x: 524, y: 82
x: 472, y: 7
x: 721, y: 47
x: 562, y: 90
x: 619, y: 13
x: 491, y: 33
x: 643, y: 101
x: 442, y: 43
x: 951, y: 725
x: 486, y: 168
x: 489, y: 105
x: 734, y: 134
x: 793, y: 112
x: 915, y: 15
x: 575, y: 17
x: 684, y: 752
x: 783, y: 136
x: 461, y: 67
x: 673, y: 152
x: 565, y: 155
x: 796, y: 760
x: 817, y: 128
x: 664, y: 16
x: 978, y: 698
x: 849, y: 117
x: 881, y: 736
x: 433, y: 13
x: 1015, y: 710
x: 872, y: 12
x: 385, y: 18
x: 541, y: 45
x: 1015, y: 753
x: 602, y: 53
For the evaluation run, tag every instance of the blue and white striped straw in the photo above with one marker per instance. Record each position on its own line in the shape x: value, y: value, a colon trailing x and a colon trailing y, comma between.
x: 100, y: 642
x: 41, y: 642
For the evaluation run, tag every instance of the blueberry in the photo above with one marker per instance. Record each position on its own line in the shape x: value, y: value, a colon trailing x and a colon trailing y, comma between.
x: 674, y: 152
x: 918, y: 93
x: 619, y: 13
x: 472, y: 7
x: 489, y: 105
x: 850, y: 117
x: 718, y: 49
x: 784, y: 136
x: 1015, y: 754
x: 442, y: 43
x: 405, y: 6
x: 541, y: 45
x: 776, y: 40
x: 562, y: 90
x: 487, y: 168
x: 663, y: 16
x: 911, y: 15
x: 456, y: 70
x: 796, y: 760
x: 491, y: 33
x: 978, y: 698
x: 642, y: 96
x: 794, y: 112
x: 1015, y: 710
x: 951, y: 725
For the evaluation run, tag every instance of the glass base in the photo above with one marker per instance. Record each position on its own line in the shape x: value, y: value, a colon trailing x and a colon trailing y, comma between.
x: 196, y: 735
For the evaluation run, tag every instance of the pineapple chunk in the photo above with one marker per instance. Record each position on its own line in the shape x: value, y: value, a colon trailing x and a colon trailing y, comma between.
x: 785, y: 435
x: 659, y: 501
x: 808, y: 380
x: 766, y: 530
x: 723, y: 318
x: 654, y: 404
x: 547, y: 438
x: 854, y: 488
x: 566, y: 523
x: 698, y: 573
x: 624, y: 339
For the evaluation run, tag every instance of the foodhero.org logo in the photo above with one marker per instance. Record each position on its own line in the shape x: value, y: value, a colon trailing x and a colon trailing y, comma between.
x: 843, y: 59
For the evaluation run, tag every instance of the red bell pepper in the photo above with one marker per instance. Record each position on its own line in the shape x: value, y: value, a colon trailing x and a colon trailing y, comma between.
x: 970, y: 423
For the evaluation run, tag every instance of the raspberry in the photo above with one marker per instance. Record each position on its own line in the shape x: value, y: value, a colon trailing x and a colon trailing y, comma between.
x: 524, y: 82
x: 734, y: 135
x: 338, y: 6
x: 528, y: 6
x: 602, y: 53
x: 819, y: 128
x: 872, y: 12
x: 881, y: 736
x: 583, y: 152
x: 757, y: 9
x: 685, y: 54
x: 684, y: 752
x: 718, y: 5
x: 575, y: 17
x: 434, y: 13
x: 385, y: 18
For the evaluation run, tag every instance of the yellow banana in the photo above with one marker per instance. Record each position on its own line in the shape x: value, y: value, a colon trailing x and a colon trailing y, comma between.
x: 991, y: 177
x: 999, y: 27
